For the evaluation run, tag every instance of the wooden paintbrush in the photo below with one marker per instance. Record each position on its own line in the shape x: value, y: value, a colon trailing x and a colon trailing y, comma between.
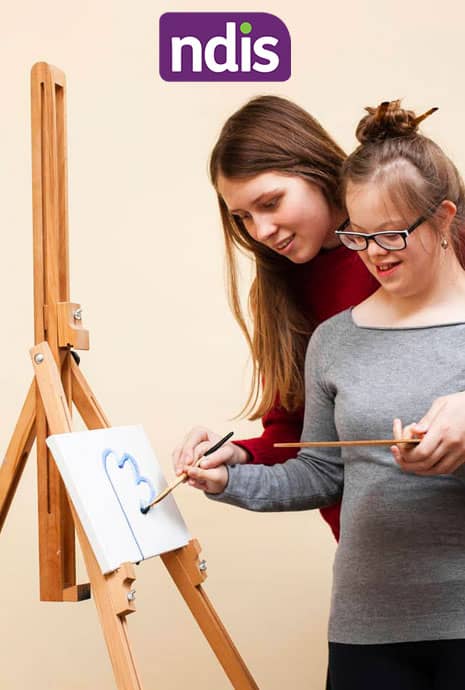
x: 339, y: 444
x: 183, y: 476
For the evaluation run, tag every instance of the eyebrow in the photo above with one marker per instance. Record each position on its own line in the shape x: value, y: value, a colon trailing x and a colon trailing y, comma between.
x: 259, y: 198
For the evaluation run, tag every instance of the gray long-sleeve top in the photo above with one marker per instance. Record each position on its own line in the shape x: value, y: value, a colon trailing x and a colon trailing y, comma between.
x: 399, y: 572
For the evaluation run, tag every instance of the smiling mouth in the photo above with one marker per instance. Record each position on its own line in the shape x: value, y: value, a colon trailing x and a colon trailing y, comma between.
x: 282, y: 245
x: 385, y: 267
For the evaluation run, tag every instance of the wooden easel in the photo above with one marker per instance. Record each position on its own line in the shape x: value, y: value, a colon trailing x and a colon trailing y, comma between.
x: 57, y: 384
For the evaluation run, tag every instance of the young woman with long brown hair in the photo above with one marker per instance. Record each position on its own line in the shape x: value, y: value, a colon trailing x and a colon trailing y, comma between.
x: 277, y: 174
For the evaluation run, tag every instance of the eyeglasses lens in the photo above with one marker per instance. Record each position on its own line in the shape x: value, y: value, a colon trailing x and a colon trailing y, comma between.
x: 390, y: 241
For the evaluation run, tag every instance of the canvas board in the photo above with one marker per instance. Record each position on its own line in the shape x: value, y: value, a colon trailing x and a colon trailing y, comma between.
x: 110, y: 475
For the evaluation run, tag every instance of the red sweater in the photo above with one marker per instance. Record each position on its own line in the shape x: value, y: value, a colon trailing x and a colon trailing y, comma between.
x: 331, y: 282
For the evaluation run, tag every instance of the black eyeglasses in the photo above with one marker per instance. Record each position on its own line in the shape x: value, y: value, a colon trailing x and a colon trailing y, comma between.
x: 391, y: 240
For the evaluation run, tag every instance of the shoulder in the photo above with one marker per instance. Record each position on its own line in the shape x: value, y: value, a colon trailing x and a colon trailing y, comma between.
x: 327, y: 339
x: 368, y: 311
x: 335, y: 326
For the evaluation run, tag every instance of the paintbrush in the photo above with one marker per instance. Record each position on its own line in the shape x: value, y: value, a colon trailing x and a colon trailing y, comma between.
x: 340, y: 444
x: 183, y: 476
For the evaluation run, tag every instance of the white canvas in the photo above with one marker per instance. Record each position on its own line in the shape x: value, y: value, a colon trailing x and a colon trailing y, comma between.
x: 110, y: 474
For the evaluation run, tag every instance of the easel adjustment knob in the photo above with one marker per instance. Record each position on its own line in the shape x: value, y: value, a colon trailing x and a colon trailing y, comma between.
x: 120, y: 586
x: 39, y: 358
x: 70, y: 330
x: 184, y: 563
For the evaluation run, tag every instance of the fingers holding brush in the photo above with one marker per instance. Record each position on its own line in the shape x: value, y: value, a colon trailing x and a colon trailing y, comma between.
x: 201, y: 475
x: 199, y: 482
x: 213, y: 481
x: 402, y: 454
x: 202, y: 441
x: 187, y: 452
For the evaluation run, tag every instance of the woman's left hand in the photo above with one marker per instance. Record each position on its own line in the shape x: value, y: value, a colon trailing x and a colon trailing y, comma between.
x: 442, y: 430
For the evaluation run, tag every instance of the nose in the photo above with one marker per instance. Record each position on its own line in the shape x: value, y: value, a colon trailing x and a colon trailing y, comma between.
x: 374, y: 250
x: 264, y: 227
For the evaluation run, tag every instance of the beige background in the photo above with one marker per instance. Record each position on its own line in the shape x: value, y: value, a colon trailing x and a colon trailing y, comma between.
x: 147, y: 266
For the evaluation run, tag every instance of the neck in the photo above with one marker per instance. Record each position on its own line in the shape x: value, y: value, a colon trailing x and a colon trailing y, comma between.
x: 441, y: 301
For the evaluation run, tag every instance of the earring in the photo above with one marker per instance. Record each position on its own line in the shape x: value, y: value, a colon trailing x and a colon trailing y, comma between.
x: 444, y: 243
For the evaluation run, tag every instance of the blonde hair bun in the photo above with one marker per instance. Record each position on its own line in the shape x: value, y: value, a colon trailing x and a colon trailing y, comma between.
x: 388, y: 120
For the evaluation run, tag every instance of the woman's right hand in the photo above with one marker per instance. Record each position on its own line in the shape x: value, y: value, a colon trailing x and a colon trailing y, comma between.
x: 197, y: 442
x: 401, y: 454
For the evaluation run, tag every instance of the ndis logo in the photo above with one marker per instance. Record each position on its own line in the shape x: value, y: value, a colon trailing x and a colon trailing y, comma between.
x: 224, y: 46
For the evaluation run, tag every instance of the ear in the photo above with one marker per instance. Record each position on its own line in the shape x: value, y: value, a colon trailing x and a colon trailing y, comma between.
x: 446, y: 213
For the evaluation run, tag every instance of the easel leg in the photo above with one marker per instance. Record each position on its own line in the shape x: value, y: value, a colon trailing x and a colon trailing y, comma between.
x: 85, y: 401
x: 57, y: 554
x: 182, y: 564
x: 111, y: 599
x: 110, y: 591
x: 51, y: 286
x: 17, y: 453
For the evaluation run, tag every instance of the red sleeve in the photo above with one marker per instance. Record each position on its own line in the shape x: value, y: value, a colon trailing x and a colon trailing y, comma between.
x: 280, y: 426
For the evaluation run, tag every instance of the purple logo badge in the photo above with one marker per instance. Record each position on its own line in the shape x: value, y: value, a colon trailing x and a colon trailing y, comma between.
x: 224, y: 46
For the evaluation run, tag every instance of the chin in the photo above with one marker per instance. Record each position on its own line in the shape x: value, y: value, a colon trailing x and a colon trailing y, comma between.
x: 401, y: 291
x: 300, y: 260
x: 303, y: 258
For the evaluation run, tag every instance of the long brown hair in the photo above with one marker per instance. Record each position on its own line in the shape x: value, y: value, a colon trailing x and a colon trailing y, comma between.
x: 413, y: 170
x: 272, y: 133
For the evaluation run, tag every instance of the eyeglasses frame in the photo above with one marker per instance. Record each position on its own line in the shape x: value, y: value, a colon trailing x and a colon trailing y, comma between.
x: 372, y: 236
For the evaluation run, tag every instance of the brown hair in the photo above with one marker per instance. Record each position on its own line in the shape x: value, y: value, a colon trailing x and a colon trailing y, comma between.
x: 272, y: 133
x: 414, y: 170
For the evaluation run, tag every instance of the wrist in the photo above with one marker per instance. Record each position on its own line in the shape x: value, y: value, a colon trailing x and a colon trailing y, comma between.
x: 220, y: 485
x: 241, y: 455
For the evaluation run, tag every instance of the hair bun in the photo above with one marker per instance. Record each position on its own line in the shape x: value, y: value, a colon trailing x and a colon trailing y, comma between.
x: 388, y: 120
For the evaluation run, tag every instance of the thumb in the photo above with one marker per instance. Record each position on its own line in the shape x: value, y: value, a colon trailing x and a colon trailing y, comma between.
x: 196, y: 473
x: 219, y: 457
x: 420, y: 428
x: 200, y: 450
x: 423, y: 425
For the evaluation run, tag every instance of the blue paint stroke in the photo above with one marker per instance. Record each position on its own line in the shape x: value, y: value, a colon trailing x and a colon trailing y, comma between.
x: 138, y: 480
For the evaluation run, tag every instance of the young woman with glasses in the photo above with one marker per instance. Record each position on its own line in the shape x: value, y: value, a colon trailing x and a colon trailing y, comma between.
x: 398, y: 606
x: 277, y: 176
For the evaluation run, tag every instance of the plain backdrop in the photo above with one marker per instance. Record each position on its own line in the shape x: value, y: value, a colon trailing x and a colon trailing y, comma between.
x: 147, y: 266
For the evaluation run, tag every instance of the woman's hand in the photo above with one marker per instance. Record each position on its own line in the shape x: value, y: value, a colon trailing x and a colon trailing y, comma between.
x: 442, y: 429
x: 198, y: 440
x: 212, y: 481
x: 409, y: 431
